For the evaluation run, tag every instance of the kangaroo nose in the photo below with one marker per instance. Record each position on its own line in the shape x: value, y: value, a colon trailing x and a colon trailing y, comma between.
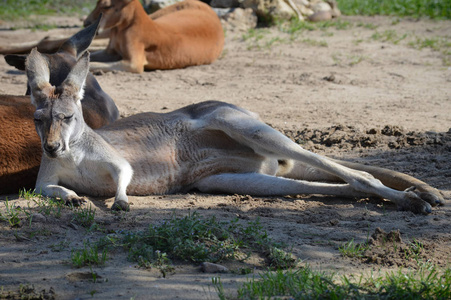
x: 52, y: 147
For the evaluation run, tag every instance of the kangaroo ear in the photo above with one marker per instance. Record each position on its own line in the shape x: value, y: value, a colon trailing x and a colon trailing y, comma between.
x: 38, y: 74
x: 75, y: 81
x: 17, y: 61
x: 79, y: 42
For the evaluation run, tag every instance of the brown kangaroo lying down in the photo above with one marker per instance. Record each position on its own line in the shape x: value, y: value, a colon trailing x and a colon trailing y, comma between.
x: 212, y: 146
x: 52, y: 44
x: 20, y: 147
x: 184, y: 34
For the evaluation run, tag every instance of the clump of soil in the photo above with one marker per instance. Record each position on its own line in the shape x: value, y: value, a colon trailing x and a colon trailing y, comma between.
x: 388, y: 249
x: 28, y: 292
x: 349, y: 137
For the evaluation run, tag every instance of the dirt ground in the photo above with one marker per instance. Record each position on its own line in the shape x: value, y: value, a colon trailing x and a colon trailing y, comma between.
x: 338, y: 92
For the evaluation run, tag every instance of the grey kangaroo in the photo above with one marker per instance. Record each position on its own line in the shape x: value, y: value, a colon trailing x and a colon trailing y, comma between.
x: 20, y: 147
x: 213, y: 147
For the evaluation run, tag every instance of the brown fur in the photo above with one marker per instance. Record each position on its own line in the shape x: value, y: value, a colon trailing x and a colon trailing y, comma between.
x: 184, y: 34
x: 20, y: 146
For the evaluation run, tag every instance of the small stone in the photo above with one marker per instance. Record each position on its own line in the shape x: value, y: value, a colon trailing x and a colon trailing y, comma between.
x: 207, y: 267
x: 334, y: 222
x: 38, y: 218
x: 320, y: 16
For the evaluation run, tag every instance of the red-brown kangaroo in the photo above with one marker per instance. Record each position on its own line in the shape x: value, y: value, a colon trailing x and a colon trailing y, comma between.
x: 184, y: 34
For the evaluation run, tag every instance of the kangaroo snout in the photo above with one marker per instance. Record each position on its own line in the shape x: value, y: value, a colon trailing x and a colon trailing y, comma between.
x: 51, y: 148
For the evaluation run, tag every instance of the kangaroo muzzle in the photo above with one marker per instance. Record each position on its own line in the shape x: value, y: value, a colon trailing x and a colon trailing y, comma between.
x: 52, y: 148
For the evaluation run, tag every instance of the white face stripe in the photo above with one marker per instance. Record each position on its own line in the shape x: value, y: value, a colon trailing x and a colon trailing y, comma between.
x: 81, y: 92
x: 33, y: 100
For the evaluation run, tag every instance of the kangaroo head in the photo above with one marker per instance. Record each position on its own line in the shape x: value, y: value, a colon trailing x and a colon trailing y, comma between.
x: 58, y: 117
x: 114, y: 13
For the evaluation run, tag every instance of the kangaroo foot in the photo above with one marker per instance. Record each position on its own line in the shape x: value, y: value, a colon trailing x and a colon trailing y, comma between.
x: 417, y: 202
x: 120, y: 205
x: 434, y: 198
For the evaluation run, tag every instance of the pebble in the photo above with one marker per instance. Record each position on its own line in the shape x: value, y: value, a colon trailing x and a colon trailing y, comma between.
x: 208, y: 267
x: 38, y: 218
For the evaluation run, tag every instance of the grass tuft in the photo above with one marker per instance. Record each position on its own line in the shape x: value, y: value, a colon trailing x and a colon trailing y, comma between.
x: 11, y: 214
x: 195, y: 239
x: 84, y: 216
x: 89, y: 255
x: 306, y: 283
x: 352, y: 249
x: 434, y: 9
x: 23, y: 9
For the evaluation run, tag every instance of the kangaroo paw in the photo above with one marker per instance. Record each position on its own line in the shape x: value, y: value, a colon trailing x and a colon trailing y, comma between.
x: 75, y: 201
x: 120, y: 205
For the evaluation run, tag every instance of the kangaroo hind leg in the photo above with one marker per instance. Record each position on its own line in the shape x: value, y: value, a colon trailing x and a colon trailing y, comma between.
x: 243, y: 127
x: 266, y: 185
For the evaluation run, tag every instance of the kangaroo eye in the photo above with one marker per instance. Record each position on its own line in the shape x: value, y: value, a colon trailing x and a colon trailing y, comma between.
x: 67, y: 118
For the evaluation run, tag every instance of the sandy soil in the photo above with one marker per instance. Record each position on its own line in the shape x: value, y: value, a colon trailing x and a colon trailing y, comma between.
x: 340, y: 93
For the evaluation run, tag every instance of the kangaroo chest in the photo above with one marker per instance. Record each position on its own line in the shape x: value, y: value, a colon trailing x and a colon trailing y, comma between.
x: 86, y: 175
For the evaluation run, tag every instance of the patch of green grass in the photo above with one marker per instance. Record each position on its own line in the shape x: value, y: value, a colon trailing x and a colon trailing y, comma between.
x: 352, y: 249
x: 195, y: 239
x: 315, y: 43
x: 89, y: 255
x: 435, y: 9
x: 11, y: 214
x: 280, y: 259
x: 22, y: 9
x: 439, y: 44
x: 367, y: 25
x: 49, y: 207
x: 337, y: 24
x: 296, y: 26
x: 305, y: 283
x: 388, y: 36
x: 274, y: 41
x: 254, y: 34
x: 414, y: 251
x: 254, y: 37
x: 44, y: 205
x: 28, y: 194
x: 434, y: 43
x: 84, y: 216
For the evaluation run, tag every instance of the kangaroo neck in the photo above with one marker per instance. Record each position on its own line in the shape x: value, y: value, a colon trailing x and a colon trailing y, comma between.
x: 137, y: 17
